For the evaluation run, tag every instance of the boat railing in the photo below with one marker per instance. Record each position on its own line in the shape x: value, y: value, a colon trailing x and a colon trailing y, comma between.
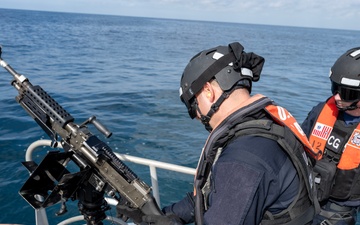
x: 40, y: 214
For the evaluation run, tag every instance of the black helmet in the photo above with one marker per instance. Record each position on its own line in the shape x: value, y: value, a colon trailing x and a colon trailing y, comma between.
x: 345, y: 75
x: 229, y: 65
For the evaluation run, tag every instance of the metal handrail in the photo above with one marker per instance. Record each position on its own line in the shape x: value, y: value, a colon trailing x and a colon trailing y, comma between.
x: 40, y: 214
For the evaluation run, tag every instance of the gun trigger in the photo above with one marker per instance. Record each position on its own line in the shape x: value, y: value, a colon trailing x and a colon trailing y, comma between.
x: 53, y: 143
x: 63, y: 208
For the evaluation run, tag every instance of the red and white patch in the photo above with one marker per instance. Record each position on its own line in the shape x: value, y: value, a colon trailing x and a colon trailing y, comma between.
x: 321, y: 131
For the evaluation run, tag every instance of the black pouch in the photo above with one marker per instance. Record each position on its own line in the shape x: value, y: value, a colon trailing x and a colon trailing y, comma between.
x: 324, y: 178
x: 346, y: 185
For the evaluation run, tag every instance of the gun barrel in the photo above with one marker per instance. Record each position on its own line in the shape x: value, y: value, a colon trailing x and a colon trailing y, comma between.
x: 18, y: 77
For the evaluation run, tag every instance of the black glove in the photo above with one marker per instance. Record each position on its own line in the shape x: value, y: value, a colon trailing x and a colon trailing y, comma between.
x: 162, y: 220
x: 125, y: 212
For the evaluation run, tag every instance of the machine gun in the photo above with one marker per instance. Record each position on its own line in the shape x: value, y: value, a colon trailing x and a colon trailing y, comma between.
x: 100, y: 171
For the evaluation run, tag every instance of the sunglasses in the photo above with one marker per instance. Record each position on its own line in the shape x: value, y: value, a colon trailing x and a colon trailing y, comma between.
x: 347, y: 94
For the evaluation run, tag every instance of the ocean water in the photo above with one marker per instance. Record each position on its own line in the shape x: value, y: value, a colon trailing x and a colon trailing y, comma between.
x: 126, y: 71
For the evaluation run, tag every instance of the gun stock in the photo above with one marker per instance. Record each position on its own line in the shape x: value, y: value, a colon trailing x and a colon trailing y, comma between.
x: 100, y: 169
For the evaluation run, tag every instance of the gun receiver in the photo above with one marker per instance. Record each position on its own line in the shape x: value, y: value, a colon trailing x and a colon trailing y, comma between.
x: 100, y: 170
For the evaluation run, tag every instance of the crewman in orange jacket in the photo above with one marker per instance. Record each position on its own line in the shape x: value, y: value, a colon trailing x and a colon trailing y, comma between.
x: 333, y: 128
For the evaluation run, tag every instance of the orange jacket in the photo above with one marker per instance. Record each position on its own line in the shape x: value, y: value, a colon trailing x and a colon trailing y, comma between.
x: 350, y: 158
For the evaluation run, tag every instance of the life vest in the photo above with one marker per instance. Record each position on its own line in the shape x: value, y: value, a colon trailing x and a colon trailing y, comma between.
x: 286, y: 131
x: 350, y: 155
x: 338, y: 171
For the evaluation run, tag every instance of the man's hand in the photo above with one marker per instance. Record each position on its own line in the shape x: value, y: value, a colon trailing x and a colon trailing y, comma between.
x: 124, y: 212
x: 161, y: 220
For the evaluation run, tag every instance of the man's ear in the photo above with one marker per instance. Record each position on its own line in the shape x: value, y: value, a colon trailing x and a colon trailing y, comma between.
x: 209, y: 91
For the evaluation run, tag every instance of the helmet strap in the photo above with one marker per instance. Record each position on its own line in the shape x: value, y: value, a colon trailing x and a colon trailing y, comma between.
x: 353, y: 106
x: 215, y: 107
x: 204, y: 119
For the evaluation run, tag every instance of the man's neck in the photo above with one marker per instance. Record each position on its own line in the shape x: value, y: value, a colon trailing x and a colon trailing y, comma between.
x: 232, y: 104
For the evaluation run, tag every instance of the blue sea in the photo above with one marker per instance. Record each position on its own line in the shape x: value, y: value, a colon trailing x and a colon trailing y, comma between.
x: 126, y: 72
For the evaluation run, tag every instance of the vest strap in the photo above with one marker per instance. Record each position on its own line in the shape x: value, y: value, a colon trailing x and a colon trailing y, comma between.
x: 283, y: 117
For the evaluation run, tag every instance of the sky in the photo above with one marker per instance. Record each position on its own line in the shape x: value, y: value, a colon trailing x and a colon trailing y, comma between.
x: 333, y: 14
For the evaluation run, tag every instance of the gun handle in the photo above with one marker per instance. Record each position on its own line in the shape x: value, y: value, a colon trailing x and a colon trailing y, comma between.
x: 151, y: 207
x: 100, y: 126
